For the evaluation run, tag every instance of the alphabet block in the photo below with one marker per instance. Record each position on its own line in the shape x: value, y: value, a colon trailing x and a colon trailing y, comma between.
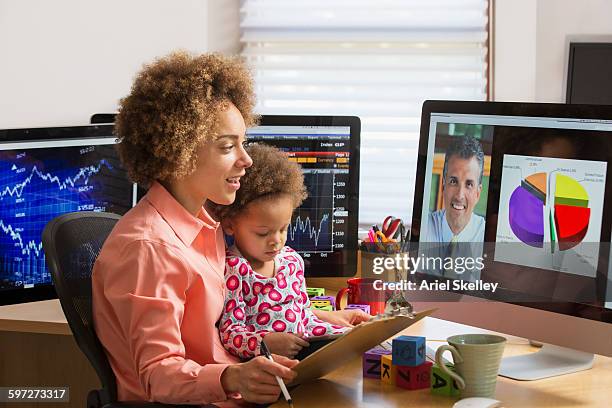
x: 441, y: 383
x: 371, y: 362
x: 388, y: 371
x: 365, y: 308
x: 326, y: 306
x: 315, y: 292
x: 319, y: 303
x: 414, y: 378
x: 330, y: 299
x: 409, y: 350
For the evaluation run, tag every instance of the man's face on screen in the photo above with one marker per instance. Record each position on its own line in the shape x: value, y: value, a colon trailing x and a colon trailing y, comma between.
x: 461, y: 191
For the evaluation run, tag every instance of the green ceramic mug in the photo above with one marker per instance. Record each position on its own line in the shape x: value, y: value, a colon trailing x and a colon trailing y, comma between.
x: 476, y: 358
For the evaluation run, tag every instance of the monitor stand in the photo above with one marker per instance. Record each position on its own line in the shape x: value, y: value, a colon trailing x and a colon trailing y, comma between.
x: 550, y: 361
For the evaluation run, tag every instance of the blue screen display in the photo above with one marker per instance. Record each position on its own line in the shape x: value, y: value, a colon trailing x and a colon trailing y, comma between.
x: 39, y: 181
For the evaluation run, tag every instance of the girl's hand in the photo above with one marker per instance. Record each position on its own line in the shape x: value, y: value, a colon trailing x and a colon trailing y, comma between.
x: 255, y: 380
x: 346, y: 317
x: 285, y: 344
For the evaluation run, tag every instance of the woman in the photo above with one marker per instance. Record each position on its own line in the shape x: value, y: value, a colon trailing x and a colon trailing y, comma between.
x: 158, y: 283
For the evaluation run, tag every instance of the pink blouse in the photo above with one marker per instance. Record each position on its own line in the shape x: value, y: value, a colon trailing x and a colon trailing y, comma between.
x: 158, y: 292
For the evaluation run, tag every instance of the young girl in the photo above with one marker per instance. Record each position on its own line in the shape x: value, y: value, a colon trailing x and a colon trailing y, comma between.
x: 266, y: 296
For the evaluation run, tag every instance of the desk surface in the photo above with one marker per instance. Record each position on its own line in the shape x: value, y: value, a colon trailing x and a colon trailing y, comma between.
x: 36, y: 317
x: 346, y: 387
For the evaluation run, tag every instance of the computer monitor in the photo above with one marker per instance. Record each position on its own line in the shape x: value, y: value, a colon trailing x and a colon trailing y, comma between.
x: 45, y: 172
x: 324, y: 228
x: 527, y: 188
x: 588, y: 73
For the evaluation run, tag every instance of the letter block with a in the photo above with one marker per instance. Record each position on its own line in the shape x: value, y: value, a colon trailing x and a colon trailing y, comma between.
x: 315, y: 292
x: 371, y: 362
x: 441, y: 383
x: 414, y: 378
x: 388, y: 372
x: 408, y: 350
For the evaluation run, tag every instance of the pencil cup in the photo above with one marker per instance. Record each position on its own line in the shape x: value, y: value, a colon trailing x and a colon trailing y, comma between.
x: 387, y: 267
x: 476, y: 359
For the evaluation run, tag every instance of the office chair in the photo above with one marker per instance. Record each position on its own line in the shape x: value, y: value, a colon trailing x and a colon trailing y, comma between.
x: 72, y: 243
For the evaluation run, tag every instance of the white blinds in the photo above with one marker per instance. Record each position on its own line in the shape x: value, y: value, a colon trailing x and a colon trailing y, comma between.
x: 376, y: 59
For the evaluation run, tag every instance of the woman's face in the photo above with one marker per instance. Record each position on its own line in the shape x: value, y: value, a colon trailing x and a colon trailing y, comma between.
x: 222, y: 161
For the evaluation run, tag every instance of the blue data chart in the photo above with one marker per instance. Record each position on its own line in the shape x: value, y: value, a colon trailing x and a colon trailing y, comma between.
x: 38, y: 184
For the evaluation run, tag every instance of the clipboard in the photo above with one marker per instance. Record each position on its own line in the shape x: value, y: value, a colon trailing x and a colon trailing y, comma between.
x: 351, y: 345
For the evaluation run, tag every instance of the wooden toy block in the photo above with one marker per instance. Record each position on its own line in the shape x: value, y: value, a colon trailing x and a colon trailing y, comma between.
x: 365, y: 308
x: 409, y: 350
x: 330, y: 299
x: 326, y: 307
x: 371, y: 362
x: 319, y: 303
x: 414, y: 378
x: 315, y: 292
x: 441, y: 383
x: 388, y: 371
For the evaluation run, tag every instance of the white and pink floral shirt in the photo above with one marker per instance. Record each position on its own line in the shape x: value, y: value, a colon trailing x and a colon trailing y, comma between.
x: 256, y: 305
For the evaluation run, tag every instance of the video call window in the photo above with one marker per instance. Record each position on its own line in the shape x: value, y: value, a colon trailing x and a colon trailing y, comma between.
x: 459, y: 183
x: 456, y: 191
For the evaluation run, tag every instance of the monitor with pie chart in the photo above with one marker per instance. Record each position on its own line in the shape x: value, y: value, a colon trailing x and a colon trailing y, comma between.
x: 539, y: 177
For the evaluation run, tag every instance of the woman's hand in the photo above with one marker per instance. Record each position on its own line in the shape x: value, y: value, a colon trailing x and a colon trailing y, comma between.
x: 285, y: 344
x: 346, y: 317
x: 255, y: 380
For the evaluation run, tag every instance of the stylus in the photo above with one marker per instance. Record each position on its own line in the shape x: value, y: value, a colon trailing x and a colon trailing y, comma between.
x: 281, y: 384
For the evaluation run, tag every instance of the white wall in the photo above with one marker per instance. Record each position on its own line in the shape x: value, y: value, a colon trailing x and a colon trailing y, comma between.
x: 223, y: 26
x: 558, y: 19
x: 514, y: 50
x: 530, y: 45
x: 63, y: 60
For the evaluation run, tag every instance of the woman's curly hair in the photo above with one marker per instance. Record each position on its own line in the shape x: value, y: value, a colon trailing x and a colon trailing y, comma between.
x: 173, y: 107
x: 271, y: 174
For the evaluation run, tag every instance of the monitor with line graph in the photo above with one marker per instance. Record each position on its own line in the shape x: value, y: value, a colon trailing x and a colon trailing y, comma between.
x: 45, y: 172
x: 324, y: 228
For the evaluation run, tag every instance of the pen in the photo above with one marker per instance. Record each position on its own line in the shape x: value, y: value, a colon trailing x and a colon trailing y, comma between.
x: 266, y: 352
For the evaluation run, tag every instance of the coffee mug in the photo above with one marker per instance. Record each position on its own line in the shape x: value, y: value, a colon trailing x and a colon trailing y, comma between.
x: 476, y: 358
x: 361, y: 291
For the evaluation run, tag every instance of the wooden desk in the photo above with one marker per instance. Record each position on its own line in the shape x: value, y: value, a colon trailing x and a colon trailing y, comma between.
x: 37, y: 349
x: 346, y: 387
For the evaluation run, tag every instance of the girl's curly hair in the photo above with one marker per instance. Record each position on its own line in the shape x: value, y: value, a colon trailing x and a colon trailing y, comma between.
x: 173, y: 107
x: 270, y: 175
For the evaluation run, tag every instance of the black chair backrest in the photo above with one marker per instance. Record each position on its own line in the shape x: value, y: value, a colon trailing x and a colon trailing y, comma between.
x: 72, y: 243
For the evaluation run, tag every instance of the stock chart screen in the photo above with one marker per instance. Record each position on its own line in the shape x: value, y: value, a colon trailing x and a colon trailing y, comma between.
x: 320, y: 229
x: 41, y: 180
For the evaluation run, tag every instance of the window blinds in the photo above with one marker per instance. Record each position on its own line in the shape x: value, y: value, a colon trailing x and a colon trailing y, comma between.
x: 376, y: 59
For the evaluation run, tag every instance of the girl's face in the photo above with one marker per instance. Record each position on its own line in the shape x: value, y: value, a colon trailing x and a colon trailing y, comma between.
x: 260, y: 231
x: 221, y: 162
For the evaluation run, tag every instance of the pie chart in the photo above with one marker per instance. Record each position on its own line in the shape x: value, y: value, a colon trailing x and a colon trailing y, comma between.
x: 569, y: 216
